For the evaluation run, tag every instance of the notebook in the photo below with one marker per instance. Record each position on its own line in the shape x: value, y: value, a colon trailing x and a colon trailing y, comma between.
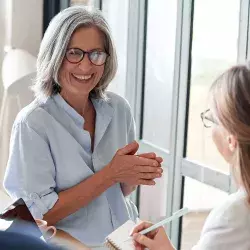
x: 117, y: 240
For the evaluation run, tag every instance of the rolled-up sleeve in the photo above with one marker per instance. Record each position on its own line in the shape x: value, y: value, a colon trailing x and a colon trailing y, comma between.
x: 31, y: 171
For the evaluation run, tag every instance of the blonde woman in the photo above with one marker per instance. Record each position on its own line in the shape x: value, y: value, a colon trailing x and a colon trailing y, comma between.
x: 228, y: 226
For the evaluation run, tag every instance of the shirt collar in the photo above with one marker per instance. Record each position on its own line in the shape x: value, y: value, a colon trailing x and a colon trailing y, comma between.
x: 78, y: 119
x: 104, y: 115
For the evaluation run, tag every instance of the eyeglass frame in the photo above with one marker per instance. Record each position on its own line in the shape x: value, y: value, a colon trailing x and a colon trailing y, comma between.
x: 203, y: 118
x: 88, y: 54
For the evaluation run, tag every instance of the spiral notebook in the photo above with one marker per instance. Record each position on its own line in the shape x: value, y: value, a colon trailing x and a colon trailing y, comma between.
x: 117, y: 240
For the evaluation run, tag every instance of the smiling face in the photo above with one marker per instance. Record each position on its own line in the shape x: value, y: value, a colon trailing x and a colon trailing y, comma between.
x: 78, y: 79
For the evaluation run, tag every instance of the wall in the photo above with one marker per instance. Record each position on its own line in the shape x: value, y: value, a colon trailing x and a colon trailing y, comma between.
x: 20, y: 26
x: 25, y: 24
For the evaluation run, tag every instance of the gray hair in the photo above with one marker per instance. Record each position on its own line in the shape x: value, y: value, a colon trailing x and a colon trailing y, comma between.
x: 54, y: 45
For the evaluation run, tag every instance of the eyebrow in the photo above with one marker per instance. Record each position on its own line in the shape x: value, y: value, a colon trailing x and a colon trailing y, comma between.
x: 75, y: 47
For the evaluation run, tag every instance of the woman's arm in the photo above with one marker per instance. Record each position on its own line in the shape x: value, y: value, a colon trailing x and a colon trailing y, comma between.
x: 66, y: 240
x: 72, y: 199
x: 124, y: 167
x: 31, y: 174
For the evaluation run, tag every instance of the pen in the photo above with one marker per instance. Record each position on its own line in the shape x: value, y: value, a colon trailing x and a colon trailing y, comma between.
x: 175, y: 215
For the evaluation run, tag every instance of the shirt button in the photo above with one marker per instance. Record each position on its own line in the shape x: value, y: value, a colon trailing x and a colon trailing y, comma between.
x: 34, y: 196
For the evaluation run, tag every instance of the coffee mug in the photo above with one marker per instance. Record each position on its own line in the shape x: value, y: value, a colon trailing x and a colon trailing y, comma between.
x: 43, y: 226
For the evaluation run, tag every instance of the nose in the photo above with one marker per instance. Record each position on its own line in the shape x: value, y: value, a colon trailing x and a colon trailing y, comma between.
x: 85, y: 64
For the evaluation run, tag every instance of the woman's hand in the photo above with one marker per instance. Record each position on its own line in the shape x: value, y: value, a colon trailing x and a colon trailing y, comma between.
x: 134, y: 169
x: 154, y: 240
x: 128, y: 189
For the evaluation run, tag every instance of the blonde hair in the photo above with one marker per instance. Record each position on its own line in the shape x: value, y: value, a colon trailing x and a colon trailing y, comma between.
x: 54, y: 44
x: 231, y: 104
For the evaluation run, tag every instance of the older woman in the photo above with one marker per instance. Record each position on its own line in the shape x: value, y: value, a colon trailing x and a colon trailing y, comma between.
x: 72, y: 155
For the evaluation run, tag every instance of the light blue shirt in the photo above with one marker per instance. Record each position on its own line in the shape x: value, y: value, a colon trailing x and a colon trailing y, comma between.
x: 51, y: 152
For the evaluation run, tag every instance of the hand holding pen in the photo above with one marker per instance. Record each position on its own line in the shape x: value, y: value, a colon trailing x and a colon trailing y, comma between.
x: 156, y: 238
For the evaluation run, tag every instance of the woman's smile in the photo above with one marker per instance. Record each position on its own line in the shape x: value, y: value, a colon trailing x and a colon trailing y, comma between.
x: 83, y: 78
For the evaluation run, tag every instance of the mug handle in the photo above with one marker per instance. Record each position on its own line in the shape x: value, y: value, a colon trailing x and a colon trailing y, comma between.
x: 54, y: 231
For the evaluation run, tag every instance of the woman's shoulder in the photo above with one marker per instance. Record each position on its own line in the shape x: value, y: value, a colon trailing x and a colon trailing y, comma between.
x: 234, y: 211
x: 33, y: 113
x: 227, y: 226
x: 117, y: 101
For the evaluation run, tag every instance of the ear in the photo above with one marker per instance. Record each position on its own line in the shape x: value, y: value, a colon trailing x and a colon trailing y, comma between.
x: 232, y: 142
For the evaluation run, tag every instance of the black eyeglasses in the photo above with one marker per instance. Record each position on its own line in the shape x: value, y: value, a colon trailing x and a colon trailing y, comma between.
x: 208, y: 119
x: 96, y: 57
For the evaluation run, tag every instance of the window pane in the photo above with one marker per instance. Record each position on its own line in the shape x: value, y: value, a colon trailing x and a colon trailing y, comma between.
x: 116, y: 13
x: 214, y: 49
x: 153, y: 199
x: 159, y: 71
x: 82, y: 2
x: 200, y: 199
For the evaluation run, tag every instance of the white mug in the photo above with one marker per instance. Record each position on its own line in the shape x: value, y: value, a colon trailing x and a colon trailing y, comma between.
x: 43, y: 226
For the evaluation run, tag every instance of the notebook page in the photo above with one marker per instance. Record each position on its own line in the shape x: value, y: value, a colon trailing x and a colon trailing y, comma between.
x: 121, y: 234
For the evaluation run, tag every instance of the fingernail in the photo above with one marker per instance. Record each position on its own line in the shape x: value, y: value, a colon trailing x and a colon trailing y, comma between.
x: 155, y: 164
x: 159, y: 170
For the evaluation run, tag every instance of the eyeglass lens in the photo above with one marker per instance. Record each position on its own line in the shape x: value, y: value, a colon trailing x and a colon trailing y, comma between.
x: 96, y: 57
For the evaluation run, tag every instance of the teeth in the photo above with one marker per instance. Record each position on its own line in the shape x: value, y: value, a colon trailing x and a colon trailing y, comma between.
x: 81, y: 77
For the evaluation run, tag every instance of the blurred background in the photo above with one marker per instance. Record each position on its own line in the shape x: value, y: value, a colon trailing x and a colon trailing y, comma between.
x: 169, y: 53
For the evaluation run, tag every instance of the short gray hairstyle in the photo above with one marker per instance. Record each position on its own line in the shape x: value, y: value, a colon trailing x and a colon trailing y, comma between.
x: 54, y: 45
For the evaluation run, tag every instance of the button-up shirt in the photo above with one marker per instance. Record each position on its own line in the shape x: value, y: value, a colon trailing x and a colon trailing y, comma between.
x: 51, y: 152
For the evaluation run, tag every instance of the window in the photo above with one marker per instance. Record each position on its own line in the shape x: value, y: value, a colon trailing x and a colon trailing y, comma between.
x: 214, y: 49
x: 116, y: 14
x: 159, y: 71
x: 82, y: 2
x: 157, y: 99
